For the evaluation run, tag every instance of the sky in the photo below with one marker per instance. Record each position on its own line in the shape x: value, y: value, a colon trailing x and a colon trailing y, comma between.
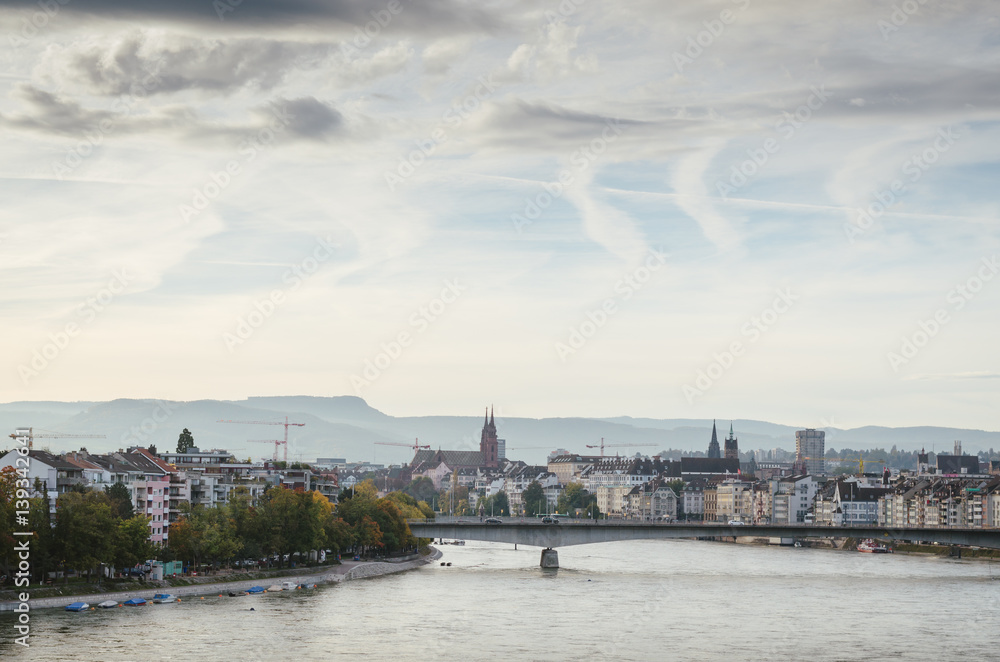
x: 733, y: 209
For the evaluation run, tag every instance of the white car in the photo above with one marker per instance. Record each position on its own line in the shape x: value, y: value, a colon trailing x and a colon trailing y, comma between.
x: 735, y: 522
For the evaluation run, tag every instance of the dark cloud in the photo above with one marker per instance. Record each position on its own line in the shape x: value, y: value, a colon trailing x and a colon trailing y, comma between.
x: 182, y: 63
x: 304, y: 118
x: 310, y: 118
x: 417, y: 16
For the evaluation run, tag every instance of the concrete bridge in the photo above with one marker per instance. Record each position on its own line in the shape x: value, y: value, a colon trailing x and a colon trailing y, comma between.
x: 527, y: 531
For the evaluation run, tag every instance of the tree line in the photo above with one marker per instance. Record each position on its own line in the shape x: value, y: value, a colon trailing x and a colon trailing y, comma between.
x: 92, y: 528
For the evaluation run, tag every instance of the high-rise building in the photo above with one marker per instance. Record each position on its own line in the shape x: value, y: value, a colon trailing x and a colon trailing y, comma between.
x: 713, y: 446
x: 810, y: 449
x: 488, y: 443
x: 732, y: 447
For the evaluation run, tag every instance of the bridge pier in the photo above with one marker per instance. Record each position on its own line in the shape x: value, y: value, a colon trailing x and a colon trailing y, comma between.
x: 550, y: 558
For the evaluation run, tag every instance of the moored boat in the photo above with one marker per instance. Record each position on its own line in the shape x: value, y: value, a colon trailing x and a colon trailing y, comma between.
x: 163, y: 598
x: 289, y: 586
x: 108, y: 604
x: 255, y: 589
x: 274, y: 588
x: 869, y: 546
x: 134, y: 602
x: 77, y: 606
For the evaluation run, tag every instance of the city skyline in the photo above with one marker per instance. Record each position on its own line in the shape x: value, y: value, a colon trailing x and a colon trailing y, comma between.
x: 571, y: 209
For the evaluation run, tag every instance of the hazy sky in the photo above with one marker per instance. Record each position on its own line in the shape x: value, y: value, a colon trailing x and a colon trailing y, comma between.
x: 578, y: 208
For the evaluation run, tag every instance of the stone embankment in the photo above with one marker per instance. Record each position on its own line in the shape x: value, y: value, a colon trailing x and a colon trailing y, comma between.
x: 348, y: 571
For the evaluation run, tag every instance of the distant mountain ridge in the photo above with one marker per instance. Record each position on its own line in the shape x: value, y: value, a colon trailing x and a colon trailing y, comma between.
x: 348, y: 427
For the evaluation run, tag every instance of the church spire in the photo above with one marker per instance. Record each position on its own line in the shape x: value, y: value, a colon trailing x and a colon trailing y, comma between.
x: 713, y: 446
x: 486, y: 420
x: 492, y: 424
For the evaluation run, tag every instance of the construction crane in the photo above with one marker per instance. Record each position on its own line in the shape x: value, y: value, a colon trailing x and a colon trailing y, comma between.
x: 416, y: 445
x: 860, y: 461
x: 276, y: 442
x: 30, y: 434
x: 602, y: 446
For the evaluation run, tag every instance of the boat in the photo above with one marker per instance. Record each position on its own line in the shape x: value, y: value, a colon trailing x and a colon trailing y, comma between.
x: 274, y: 588
x: 108, y: 604
x: 134, y: 602
x: 163, y: 598
x: 255, y: 589
x: 234, y: 594
x: 77, y: 606
x: 307, y: 586
x: 869, y: 546
x: 289, y: 586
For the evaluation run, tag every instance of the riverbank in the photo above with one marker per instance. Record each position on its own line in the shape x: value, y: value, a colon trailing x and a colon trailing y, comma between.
x: 346, y: 571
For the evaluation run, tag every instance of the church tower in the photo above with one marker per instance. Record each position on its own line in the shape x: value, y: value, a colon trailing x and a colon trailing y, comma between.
x: 732, y: 447
x: 488, y: 444
x: 713, y: 446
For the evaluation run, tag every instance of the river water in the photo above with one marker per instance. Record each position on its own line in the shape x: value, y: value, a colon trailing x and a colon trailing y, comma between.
x: 631, y: 600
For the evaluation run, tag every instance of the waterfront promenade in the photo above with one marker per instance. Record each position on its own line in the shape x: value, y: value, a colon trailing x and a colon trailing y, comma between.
x: 346, y: 571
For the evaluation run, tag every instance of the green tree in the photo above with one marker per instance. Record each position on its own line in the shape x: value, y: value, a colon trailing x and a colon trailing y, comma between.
x: 496, y: 505
x: 185, y: 441
x: 82, y: 525
x: 131, y: 544
x: 8, y: 496
x: 421, y: 489
x: 574, y: 497
x: 534, y: 500
x: 121, y: 500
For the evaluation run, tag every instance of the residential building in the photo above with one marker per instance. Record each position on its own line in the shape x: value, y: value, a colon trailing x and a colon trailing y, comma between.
x: 810, y: 450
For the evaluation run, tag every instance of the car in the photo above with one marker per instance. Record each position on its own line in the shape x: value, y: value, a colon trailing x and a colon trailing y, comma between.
x: 735, y: 522
x: 549, y: 520
x: 494, y: 520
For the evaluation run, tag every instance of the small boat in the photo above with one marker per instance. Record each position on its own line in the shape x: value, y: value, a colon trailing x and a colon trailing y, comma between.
x: 163, y: 598
x: 869, y: 546
x: 108, y: 604
x: 134, y: 602
x: 234, y: 594
x: 289, y: 586
x: 77, y: 606
x: 255, y: 589
x: 307, y: 586
x: 274, y: 588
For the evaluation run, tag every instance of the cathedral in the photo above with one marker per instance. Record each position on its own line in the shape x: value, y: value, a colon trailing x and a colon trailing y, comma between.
x: 488, y: 444
x: 732, y: 445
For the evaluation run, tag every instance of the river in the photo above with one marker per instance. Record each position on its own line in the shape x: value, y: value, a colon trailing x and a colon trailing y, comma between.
x: 630, y: 600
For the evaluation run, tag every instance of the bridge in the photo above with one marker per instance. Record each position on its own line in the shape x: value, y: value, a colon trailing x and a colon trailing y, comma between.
x: 532, y: 532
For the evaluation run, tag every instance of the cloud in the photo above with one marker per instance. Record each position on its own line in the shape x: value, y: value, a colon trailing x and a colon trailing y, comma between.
x: 177, y: 63
x: 111, y: 67
x: 420, y: 17
x: 694, y: 200
x: 304, y: 117
x: 551, y: 57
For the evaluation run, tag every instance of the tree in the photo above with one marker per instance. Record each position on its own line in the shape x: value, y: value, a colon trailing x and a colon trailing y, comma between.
x: 574, y: 496
x: 185, y: 441
x: 498, y: 504
x: 534, y: 500
x: 421, y: 489
x: 82, y: 525
x: 121, y: 500
x: 132, y: 545
x: 368, y: 534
